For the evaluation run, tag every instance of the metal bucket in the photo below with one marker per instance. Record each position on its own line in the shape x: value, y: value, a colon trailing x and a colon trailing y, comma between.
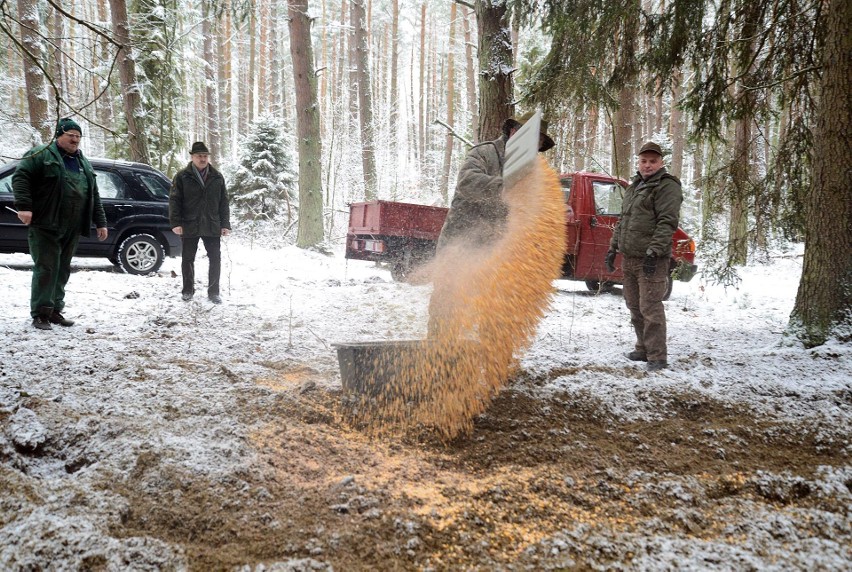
x: 394, y: 368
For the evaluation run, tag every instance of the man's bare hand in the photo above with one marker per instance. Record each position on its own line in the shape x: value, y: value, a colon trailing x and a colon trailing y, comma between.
x: 102, y: 234
x: 226, y: 231
x: 25, y: 217
x: 178, y: 230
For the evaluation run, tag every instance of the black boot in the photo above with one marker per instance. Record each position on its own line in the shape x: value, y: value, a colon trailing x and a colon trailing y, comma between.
x: 42, y: 320
x: 57, y: 318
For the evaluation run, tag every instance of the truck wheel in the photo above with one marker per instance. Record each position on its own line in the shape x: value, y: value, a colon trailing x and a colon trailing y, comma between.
x: 399, y: 271
x: 596, y: 286
x: 140, y: 254
x: 669, y: 286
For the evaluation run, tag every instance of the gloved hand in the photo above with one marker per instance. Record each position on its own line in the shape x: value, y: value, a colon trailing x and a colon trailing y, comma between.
x: 649, y: 265
x: 610, y: 261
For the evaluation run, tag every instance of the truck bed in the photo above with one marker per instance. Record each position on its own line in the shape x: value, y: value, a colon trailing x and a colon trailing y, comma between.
x: 388, y: 218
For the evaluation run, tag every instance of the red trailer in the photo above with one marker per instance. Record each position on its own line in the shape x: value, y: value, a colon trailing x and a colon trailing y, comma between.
x: 404, y: 235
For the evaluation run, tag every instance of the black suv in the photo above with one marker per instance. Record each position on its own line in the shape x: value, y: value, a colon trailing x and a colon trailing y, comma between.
x: 136, y: 202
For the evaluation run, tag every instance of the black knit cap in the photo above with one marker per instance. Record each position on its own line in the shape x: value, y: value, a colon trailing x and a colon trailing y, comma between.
x: 67, y: 124
x: 199, y: 147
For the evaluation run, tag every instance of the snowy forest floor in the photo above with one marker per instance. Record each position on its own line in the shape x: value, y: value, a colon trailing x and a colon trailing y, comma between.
x: 159, y: 434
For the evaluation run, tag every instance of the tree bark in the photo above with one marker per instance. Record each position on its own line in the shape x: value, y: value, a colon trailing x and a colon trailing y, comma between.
x: 365, y: 100
x: 211, y: 95
x: 622, y: 134
x: 823, y: 307
x: 495, y: 68
x: 133, y: 112
x: 33, y: 75
x: 310, y: 231
x: 471, y: 77
x: 451, y: 96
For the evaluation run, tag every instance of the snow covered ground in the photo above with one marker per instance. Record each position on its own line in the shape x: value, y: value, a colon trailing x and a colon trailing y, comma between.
x: 145, y: 379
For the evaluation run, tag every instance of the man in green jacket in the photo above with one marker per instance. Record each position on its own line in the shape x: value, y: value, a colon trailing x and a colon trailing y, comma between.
x: 56, y: 196
x: 198, y: 208
x: 643, y: 235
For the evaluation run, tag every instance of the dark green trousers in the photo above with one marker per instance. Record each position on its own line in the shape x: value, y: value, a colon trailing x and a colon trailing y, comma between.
x: 52, y: 251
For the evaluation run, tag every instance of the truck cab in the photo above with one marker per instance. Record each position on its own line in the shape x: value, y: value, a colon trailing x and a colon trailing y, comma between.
x: 592, y: 209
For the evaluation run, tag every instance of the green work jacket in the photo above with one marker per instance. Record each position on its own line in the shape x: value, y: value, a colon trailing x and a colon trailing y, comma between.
x: 649, y: 216
x: 38, y: 185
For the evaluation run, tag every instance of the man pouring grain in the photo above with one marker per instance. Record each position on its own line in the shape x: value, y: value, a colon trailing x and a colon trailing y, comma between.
x: 478, y: 211
x: 477, y: 217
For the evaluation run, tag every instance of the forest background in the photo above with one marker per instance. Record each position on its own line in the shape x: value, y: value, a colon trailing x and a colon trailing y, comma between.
x: 307, y: 106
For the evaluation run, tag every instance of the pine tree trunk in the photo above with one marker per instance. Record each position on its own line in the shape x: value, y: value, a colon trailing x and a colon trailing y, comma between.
x: 622, y: 134
x: 33, y: 75
x: 133, y: 112
x: 310, y: 232
x: 365, y: 100
x: 252, y: 68
x: 394, y: 72
x: 676, y: 127
x: 451, y: 95
x: 224, y: 81
x: 470, y: 66
x: 823, y: 307
x: 211, y: 97
x: 495, y: 59
x: 421, y: 96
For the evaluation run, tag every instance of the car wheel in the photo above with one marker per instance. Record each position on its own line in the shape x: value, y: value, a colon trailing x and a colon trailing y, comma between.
x: 596, y: 286
x: 140, y: 254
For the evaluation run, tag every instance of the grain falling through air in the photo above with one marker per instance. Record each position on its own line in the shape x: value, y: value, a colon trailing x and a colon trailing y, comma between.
x: 491, y: 300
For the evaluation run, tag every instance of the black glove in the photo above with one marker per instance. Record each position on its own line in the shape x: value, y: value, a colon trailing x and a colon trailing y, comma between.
x: 649, y: 265
x: 610, y: 261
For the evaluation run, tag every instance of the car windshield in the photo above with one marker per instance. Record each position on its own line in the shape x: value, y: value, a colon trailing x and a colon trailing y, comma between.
x: 155, y: 185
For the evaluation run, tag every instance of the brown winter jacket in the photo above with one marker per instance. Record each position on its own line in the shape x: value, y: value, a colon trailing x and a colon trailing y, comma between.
x: 649, y: 216
x: 478, y: 213
x: 200, y: 210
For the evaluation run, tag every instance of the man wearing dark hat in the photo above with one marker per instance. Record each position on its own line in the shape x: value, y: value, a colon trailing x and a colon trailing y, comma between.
x: 643, y: 235
x: 57, y: 198
x: 198, y: 209
x: 478, y: 212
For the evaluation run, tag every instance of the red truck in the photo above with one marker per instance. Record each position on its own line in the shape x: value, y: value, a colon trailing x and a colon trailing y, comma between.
x: 403, y: 235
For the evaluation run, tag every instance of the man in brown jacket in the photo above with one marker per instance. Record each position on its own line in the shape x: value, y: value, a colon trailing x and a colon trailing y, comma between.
x: 643, y: 234
x: 198, y: 208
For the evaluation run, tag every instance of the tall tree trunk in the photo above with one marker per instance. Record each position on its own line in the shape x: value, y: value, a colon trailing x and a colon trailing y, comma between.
x: 310, y: 232
x: 394, y: 72
x: 421, y: 95
x: 622, y: 134
x: 263, y: 68
x: 579, y: 136
x: 451, y: 96
x: 676, y: 127
x: 134, y: 114
x: 224, y: 83
x: 34, y: 75
x: 495, y: 60
x: 823, y: 307
x: 470, y: 67
x: 276, y: 87
x: 365, y: 100
x: 252, y: 69
x: 211, y: 96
